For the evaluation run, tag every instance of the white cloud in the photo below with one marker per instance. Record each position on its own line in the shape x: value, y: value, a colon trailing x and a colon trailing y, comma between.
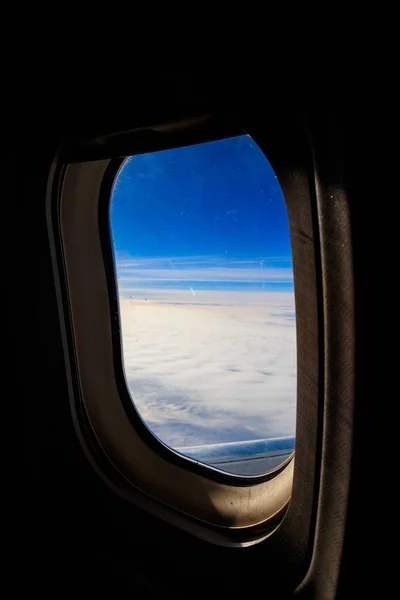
x: 217, y: 367
x: 214, y: 274
x: 204, y: 268
x: 160, y: 262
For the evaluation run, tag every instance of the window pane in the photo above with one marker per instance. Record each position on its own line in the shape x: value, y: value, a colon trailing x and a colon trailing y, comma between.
x: 205, y: 281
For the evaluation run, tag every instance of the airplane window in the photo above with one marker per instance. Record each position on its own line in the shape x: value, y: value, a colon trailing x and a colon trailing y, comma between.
x: 205, y: 282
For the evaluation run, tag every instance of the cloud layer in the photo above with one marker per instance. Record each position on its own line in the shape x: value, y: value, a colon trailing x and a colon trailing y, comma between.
x: 217, y: 367
x: 204, y: 271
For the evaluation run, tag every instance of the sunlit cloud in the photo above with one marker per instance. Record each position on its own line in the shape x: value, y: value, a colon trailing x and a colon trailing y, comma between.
x: 218, y: 367
x: 160, y: 262
x: 212, y: 274
x: 202, y: 271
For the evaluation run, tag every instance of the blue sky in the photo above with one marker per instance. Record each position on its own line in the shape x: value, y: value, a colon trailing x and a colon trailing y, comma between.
x: 208, y: 216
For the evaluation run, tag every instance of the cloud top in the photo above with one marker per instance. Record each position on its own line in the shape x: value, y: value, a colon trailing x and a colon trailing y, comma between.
x: 217, y: 367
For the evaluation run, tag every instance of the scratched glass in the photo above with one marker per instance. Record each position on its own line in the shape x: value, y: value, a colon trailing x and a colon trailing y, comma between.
x: 206, y: 296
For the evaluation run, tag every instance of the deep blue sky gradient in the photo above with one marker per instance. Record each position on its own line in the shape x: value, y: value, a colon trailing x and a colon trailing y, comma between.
x: 219, y: 201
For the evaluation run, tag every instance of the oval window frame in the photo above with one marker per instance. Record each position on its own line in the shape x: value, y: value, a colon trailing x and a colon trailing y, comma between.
x: 219, y: 509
